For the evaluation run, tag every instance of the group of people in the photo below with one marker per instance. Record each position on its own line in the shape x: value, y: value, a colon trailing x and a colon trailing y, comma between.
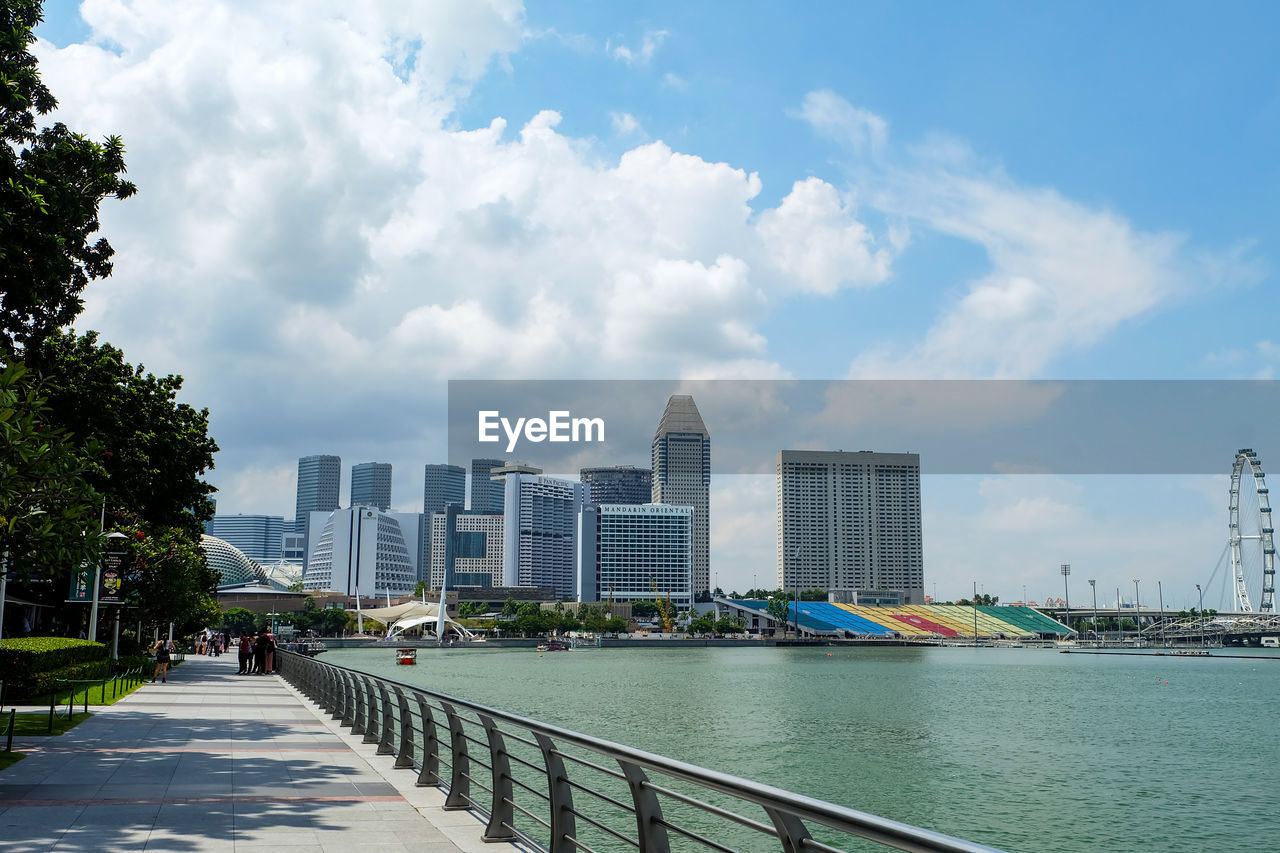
x: 212, y: 645
x: 257, y: 653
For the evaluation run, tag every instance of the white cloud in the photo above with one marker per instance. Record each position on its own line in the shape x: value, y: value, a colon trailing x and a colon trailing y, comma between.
x: 643, y: 53
x: 316, y: 246
x: 625, y: 124
x: 674, y: 81
x: 1063, y: 275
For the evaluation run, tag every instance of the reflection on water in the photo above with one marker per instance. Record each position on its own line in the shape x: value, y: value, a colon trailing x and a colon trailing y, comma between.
x: 1022, y: 749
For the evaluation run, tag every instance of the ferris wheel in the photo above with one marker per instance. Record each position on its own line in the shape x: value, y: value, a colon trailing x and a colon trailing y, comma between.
x: 1253, y: 550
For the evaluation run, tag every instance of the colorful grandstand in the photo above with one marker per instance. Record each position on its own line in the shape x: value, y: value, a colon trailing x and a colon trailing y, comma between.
x: 921, y: 621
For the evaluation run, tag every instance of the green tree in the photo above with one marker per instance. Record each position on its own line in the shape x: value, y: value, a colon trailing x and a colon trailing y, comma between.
x: 238, y: 620
x: 51, y: 183
x: 48, y: 510
x: 154, y: 450
x: 780, y: 609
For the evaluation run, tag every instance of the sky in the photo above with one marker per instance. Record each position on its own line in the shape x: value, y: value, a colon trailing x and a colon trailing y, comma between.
x: 343, y: 206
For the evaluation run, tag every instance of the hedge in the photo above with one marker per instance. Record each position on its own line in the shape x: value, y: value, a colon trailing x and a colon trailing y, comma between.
x: 28, y: 664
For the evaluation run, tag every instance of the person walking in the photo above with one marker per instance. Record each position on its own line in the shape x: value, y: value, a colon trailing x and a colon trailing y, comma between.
x: 260, y: 653
x: 271, y: 652
x: 161, y: 651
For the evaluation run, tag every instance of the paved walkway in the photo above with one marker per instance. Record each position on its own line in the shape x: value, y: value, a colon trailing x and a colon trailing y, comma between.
x: 212, y: 761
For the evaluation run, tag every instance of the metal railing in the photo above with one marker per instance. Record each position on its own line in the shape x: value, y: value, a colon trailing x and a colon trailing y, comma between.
x: 557, y: 790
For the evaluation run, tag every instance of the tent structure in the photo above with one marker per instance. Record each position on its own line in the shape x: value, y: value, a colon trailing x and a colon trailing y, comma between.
x: 413, y: 614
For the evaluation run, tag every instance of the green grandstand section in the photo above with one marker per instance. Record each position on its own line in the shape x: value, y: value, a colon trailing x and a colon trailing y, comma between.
x: 1029, y: 619
x: 994, y: 622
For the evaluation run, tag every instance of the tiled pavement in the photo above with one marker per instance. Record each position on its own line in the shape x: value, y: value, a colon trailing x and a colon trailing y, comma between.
x: 212, y: 761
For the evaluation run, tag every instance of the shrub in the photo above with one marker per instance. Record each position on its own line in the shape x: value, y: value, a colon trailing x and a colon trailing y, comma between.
x: 29, y: 664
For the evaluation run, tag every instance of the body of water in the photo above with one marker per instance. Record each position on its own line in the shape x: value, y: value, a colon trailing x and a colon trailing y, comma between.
x: 1024, y: 749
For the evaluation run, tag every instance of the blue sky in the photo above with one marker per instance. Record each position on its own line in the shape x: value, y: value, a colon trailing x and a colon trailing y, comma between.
x: 326, y: 228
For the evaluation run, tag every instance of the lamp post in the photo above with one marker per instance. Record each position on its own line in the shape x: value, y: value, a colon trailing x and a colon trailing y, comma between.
x: 1093, y: 586
x: 1137, y: 616
x: 975, y: 613
x: 1201, y: 592
x: 4, y: 588
x: 1160, y: 592
x: 1119, y: 631
x: 1066, y: 591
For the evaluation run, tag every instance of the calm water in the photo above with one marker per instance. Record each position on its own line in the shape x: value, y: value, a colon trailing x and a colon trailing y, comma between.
x: 1023, y: 749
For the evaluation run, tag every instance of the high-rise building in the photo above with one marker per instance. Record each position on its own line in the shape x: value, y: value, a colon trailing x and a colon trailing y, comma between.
x: 540, y: 531
x: 443, y: 485
x: 371, y: 485
x: 360, y: 550
x: 850, y: 521
x: 618, y: 484
x: 682, y: 475
x: 475, y: 566
x: 638, y: 549
x: 318, y: 480
x: 258, y: 537
x: 486, y: 495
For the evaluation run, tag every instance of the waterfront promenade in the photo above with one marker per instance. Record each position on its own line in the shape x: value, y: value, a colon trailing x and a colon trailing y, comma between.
x: 212, y: 761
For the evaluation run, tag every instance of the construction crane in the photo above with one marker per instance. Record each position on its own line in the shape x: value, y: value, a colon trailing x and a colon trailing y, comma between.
x: 664, y: 607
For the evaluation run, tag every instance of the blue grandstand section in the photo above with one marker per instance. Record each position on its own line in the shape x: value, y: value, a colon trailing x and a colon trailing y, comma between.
x: 819, y: 617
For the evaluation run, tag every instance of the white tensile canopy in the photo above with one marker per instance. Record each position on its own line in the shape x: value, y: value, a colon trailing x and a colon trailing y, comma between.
x: 413, y: 614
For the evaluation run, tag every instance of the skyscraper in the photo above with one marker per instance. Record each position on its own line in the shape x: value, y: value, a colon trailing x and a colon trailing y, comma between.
x: 371, y: 485
x: 618, y: 484
x: 850, y: 521
x: 635, y: 549
x: 318, y: 478
x: 443, y: 485
x: 486, y: 495
x: 540, y: 532
x: 682, y: 475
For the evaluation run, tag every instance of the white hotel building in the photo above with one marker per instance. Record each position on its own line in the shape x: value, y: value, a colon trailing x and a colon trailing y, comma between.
x: 638, y: 547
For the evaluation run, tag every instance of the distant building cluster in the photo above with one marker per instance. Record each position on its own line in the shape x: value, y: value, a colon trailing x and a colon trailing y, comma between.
x: 845, y: 521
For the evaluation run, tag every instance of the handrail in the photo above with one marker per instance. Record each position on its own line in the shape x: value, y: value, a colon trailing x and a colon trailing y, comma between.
x: 372, y: 706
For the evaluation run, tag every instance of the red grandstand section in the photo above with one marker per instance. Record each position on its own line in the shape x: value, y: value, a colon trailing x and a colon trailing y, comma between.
x: 925, y: 625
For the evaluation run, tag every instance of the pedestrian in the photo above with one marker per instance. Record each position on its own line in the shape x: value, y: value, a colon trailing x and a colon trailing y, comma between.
x: 246, y: 654
x: 260, y: 653
x: 271, y: 652
x: 161, y: 651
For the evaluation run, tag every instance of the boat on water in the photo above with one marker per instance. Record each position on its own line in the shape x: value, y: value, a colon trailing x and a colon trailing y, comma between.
x: 554, y: 646
x: 1191, y: 653
x: 406, y: 657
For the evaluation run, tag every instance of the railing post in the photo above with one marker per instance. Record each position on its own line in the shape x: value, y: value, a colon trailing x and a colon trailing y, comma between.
x: 340, y: 705
x: 348, y: 682
x: 650, y: 833
x: 357, y: 696
x: 791, y: 830
x: 459, y: 796
x: 388, y: 721
x: 371, y: 712
x: 404, y: 757
x: 430, y: 773
x: 560, y: 793
x: 502, y: 806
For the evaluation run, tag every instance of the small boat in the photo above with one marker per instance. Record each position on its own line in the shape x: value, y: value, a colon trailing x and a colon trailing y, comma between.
x: 554, y: 646
x: 406, y: 657
x: 1191, y: 653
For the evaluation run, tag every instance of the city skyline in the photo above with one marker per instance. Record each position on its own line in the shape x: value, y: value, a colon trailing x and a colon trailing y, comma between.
x: 881, y: 192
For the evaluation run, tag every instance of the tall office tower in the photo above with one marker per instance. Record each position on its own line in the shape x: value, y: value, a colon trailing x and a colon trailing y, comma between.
x: 540, y: 532
x: 443, y: 485
x: 850, y: 521
x: 258, y: 537
x: 682, y: 475
x: 477, y: 550
x: 634, y: 549
x: 618, y: 484
x: 318, y: 479
x: 371, y: 485
x: 486, y: 495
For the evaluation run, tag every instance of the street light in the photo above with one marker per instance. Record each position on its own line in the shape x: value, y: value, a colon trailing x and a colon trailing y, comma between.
x: 1093, y: 585
x: 1137, y: 616
x: 975, y: 613
x: 1066, y: 573
x: 1160, y: 592
x: 1201, y: 592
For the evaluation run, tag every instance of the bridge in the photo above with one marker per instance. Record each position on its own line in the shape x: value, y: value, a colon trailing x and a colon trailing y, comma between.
x: 1231, y: 627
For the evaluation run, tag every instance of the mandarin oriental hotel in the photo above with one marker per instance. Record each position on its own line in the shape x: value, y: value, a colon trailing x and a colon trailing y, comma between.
x: 642, y: 546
